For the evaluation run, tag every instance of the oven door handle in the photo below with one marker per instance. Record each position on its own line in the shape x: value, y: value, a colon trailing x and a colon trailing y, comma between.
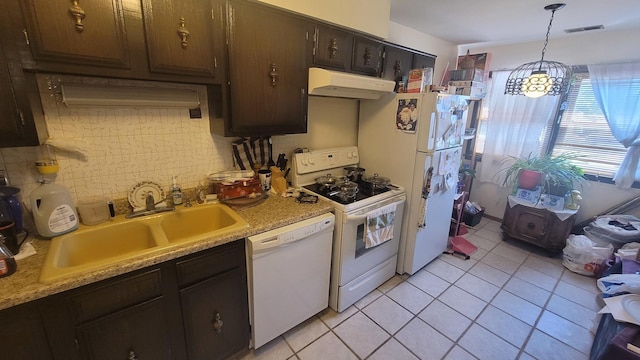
x: 361, y: 218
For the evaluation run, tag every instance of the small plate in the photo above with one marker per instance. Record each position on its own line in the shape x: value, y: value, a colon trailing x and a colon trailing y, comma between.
x: 139, y: 191
x: 631, y: 303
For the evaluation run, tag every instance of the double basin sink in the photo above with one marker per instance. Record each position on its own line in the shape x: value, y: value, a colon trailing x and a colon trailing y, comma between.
x: 95, y: 247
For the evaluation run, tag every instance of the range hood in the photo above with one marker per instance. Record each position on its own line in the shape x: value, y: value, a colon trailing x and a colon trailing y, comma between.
x: 127, y: 96
x: 339, y: 84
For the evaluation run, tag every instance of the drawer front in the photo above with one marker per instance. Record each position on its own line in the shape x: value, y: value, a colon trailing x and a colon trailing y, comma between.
x: 218, y: 260
x: 531, y: 225
x: 102, y: 299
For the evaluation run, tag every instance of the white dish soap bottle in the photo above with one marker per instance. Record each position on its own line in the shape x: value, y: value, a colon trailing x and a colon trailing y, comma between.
x: 53, y: 210
x: 176, y: 192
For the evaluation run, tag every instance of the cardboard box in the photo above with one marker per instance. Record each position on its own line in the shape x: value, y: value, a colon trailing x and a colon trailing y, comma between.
x: 419, y: 80
x: 529, y: 195
x: 552, y: 202
x: 481, y: 61
x: 472, y: 92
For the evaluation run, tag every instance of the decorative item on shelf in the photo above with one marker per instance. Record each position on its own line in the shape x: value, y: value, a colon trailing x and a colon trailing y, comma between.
x: 556, y: 175
x: 543, y: 77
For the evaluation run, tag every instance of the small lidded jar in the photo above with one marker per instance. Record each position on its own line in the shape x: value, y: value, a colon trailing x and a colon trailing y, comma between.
x: 8, y: 264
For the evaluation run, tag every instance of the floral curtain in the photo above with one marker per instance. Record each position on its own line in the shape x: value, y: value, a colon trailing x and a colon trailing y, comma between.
x: 515, y: 127
x: 617, y: 89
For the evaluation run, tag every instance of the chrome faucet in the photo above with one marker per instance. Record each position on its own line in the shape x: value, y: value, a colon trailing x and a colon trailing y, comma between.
x: 149, y: 202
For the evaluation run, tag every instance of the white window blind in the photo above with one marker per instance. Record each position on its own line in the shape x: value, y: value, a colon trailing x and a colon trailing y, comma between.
x: 584, y: 130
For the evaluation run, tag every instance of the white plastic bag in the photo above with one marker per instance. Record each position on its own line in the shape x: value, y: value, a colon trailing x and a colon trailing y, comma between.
x: 619, y: 283
x: 583, y: 256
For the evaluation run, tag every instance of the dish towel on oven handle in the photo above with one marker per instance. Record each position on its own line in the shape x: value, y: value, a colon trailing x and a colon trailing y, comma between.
x: 379, y: 226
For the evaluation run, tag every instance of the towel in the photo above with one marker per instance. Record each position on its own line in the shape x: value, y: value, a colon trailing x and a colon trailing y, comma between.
x: 379, y: 226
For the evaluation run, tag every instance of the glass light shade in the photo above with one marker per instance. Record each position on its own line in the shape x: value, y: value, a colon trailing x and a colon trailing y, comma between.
x: 537, y: 84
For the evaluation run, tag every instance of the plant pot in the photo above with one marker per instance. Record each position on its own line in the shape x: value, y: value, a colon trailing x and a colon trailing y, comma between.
x: 529, y: 179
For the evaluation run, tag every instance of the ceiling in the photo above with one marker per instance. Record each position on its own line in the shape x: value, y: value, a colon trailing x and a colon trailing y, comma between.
x: 465, y: 22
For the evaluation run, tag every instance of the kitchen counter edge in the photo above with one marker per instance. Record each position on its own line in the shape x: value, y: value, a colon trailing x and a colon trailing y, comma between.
x: 24, y: 285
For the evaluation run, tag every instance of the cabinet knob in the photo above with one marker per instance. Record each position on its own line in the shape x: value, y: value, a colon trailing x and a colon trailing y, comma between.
x: 274, y: 75
x: 183, y: 33
x: 333, y: 48
x: 367, y: 56
x: 132, y: 355
x: 531, y: 226
x: 78, y: 15
x: 217, y: 323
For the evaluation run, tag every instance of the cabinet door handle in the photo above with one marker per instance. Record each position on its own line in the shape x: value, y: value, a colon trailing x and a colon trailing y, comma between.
x: 367, y: 56
x: 397, y: 68
x: 132, y: 355
x: 183, y: 33
x: 274, y: 75
x: 333, y: 48
x: 531, y: 226
x: 78, y: 15
x: 217, y: 323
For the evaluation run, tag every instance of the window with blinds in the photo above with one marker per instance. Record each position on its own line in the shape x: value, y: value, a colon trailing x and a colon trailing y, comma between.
x: 583, y: 130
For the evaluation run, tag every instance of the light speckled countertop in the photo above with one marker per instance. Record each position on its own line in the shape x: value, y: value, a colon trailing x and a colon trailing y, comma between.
x: 24, y: 285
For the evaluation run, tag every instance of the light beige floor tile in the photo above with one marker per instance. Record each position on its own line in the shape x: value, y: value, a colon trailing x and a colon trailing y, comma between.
x: 562, y: 329
x: 463, y: 302
x: 489, y: 235
x: 490, y: 274
x: 390, y: 284
x: 569, y: 310
x: 504, y: 325
x: 578, y: 295
x: 368, y: 299
x: 510, y: 252
x: 305, y: 333
x: 478, y: 287
x: 458, y: 261
x: 525, y: 356
x: 444, y: 270
x: 388, y: 314
x: 444, y: 319
x: 410, y: 297
x: 458, y: 353
x: 361, y: 334
x: 276, y: 349
x: 479, y: 254
x: 544, y: 256
x: 517, y: 307
x: 544, y: 347
x: 487, y: 346
x: 545, y: 267
x: 481, y: 242
x: 536, y: 278
x: 423, y: 340
x: 500, y: 262
x: 327, y: 347
x: 584, y: 282
x: 429, y: 283
x: 527, y: 291
x: 293, y: 357
x: 332, y: 318
x: 392, y: 349
x: 493, y: 226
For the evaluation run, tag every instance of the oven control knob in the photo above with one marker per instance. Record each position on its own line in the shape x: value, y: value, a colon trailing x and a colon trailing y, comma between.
x: 353, y: 154
x: 311, y: 161
x: 304, y: 162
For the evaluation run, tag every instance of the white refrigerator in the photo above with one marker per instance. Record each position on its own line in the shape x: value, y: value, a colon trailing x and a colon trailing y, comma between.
x: 416, y: 141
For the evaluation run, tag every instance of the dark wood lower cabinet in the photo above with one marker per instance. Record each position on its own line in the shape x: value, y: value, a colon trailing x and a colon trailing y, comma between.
x: 154, y: 313
x: 536, y: 226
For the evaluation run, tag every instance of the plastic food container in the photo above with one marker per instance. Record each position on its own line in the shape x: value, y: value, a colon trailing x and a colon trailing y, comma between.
x: 93, y: 210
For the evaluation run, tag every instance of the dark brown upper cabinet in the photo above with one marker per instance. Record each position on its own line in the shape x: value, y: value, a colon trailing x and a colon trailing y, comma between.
x: 423, y: 61
x: 397, y: 63
x: 181, y: 36
x: 78, y: 32
x: 367, y: 55
x: 147, y: 39
x: 332, y: 48
x: 268, y: 71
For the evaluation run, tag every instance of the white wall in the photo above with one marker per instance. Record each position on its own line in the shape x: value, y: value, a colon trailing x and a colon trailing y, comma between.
x: 367, y: 16
x: 577, y: 49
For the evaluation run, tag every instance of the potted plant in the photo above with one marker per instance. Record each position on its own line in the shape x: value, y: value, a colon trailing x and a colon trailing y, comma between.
x: 557, y: 175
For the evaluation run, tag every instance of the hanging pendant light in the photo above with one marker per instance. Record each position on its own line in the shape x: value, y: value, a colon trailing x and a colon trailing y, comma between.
x: 539, y: 78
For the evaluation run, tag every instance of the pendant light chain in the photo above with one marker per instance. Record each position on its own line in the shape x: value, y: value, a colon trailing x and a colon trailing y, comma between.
x: 546, y: 40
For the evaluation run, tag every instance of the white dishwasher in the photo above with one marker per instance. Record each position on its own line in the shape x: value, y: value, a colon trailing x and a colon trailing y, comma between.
x: 288, y: 276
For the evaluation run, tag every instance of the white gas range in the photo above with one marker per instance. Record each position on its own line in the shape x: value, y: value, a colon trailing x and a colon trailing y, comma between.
x: 358, y: 266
